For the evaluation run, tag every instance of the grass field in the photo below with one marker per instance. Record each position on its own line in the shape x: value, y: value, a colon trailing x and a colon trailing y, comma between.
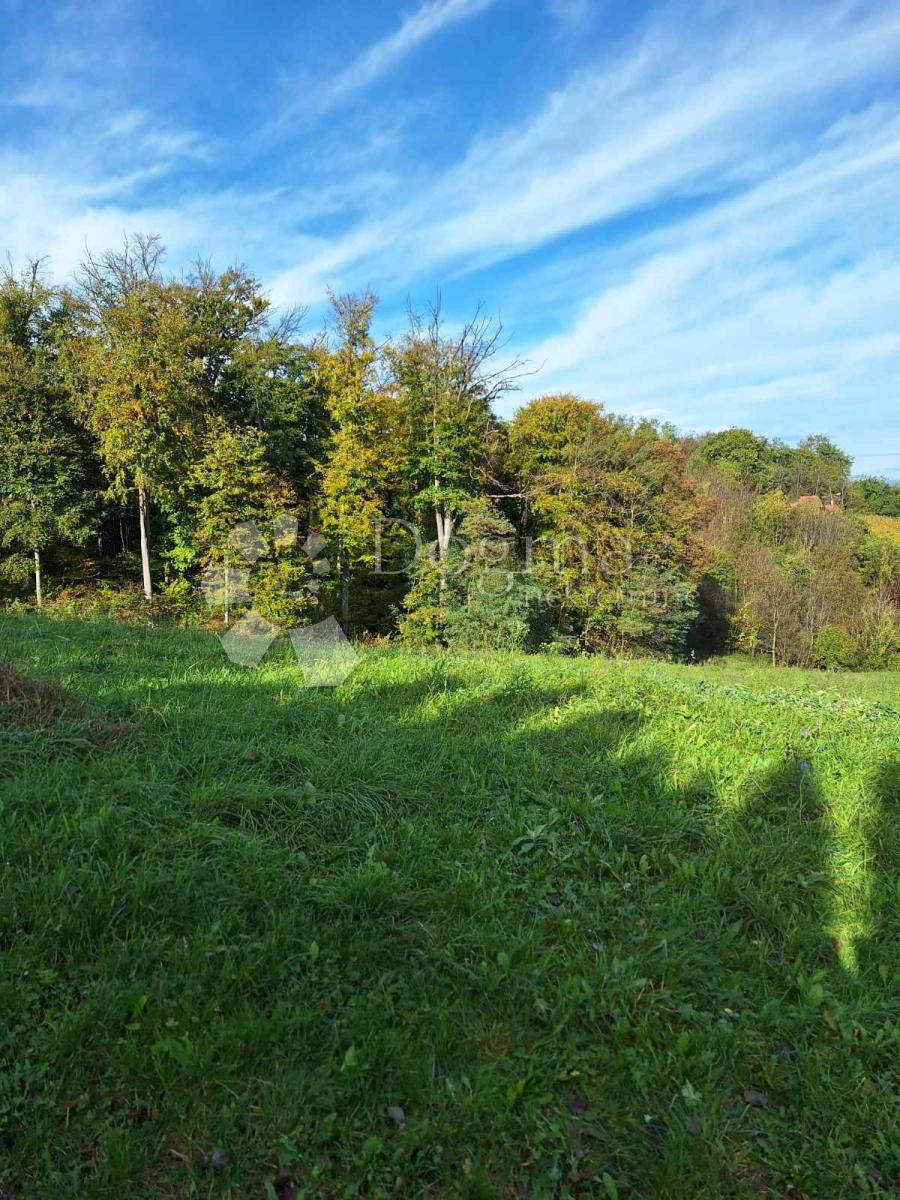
x: 597, y: 929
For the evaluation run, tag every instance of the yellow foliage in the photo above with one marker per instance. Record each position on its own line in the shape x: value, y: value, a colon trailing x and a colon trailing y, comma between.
x: 885, y: 527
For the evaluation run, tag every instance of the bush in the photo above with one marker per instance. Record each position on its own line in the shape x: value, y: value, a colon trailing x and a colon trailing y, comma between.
x: 178, y: 600
x: 281, y: 592
x: 770, y: 518
x: 880, y: 649
x: 122, y: 603
x: 481, y: 598
x: 656, y: 611
x: 489, y: 621
x: 834, y: 649
x: 476, y: 609
x: 423, y: 616
x: 16, y: 576
x: 563, y: 644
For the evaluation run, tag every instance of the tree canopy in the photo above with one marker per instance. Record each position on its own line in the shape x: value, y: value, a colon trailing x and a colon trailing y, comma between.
x: 144, y: 417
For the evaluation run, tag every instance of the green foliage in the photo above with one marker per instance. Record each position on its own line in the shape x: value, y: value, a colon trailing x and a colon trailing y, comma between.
x: 231, y: 482
x: 771, y: 517
x: 740, y: 457
x: 795, y: 569
x: 16, y: 571
x: 142, y: 388
x: 280, y: 592
x: 815, y: 467
x: 45, y: 496
x: 613, y: 520
x: 424, y: 616
x: 835, y: 649
x: 655, y: 611
x: 721, y: 570
x: 616, y: 536
x: 480, y: 598
x: 356, y: 474
x: 880, y: 637
x: 445, y: 386
x: 445, y: 416
x: 281, y: 389
x: 177, y: 599
x: 876, y: 496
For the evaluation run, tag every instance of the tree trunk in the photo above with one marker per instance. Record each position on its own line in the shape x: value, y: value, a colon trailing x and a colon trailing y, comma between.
x: 439, y: 523
x: 144, y: 514
x: 444, y: 524
x: 345, y: 592
x: 227, y: 594
x: 38, y: 590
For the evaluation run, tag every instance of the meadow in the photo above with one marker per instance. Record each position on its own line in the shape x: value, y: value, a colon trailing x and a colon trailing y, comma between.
x: 481, y: 926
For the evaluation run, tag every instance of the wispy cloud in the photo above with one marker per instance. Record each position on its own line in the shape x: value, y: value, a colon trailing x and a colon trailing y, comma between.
x: 667, y: 117
x: 698, y: 220
x: 777, y: 308
x: 318, y: 98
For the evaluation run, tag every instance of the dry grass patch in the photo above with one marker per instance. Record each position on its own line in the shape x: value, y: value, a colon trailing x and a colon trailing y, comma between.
x: 36, y: 704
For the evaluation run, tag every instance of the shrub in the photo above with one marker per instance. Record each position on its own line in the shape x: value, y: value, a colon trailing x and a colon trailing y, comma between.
x: 770, y: 518
x: 656, y: 610
x: 281, y: 592
x: 16, y: 575
x: 489, y: 621
x: 477, y: 608
x: 880, y: 648
x: 834, y: 649
x: 177, y: 599
x: 481, y: 598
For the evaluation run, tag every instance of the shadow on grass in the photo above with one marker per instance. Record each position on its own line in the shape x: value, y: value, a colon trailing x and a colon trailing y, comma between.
x: 482, y: 900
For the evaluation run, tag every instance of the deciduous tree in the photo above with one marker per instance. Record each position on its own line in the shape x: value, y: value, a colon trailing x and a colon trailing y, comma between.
x: 44, y: 458
x: 140, y: 376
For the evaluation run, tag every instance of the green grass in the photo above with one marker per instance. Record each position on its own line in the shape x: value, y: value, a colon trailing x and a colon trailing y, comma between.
x: 589, y: 924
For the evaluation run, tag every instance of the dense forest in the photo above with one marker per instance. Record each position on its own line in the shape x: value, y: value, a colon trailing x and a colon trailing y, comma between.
x: 146, y: 420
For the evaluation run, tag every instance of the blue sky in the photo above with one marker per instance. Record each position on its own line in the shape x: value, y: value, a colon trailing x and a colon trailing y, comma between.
x: 689, y: 211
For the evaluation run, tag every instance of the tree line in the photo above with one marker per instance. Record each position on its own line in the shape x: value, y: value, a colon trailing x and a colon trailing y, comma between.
x: 147, y: 418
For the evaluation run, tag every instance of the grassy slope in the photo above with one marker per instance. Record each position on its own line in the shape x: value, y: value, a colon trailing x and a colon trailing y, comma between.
x: 589, y: 924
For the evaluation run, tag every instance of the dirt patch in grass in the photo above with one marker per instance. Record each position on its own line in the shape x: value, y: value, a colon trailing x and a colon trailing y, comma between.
x: 36, y: 704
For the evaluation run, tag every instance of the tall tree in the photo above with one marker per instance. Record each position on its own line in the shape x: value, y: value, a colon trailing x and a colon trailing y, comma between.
x: 140, y: 374
x: 739, y: 456
x: 358, y: 471
x: 871, y: 494
x: 44, y: 458
x: 229, y: 484
x: 447, y: 384
x: 613, y: 520
x: 815, y: 467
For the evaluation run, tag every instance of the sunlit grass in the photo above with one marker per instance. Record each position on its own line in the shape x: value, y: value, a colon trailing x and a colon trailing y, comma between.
x: 567, y: 914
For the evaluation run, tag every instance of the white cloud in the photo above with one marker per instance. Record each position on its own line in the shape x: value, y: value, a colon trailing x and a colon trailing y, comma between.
x: 776, y: 309
x: 669, y: 116
x: 316, y: 99
x: 781, y: 292
x: 417, y: 28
